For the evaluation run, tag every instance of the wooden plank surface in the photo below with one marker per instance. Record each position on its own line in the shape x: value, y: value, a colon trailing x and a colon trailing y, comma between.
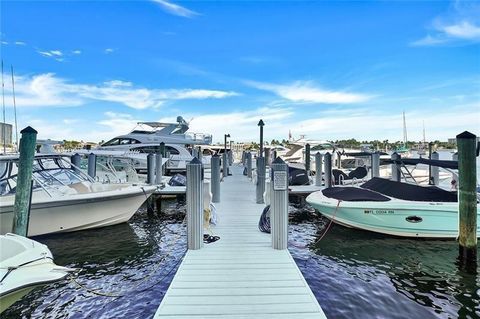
x: 239, y: 276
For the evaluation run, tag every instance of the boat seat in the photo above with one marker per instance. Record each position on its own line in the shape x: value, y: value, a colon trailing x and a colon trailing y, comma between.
x: 82, y: 187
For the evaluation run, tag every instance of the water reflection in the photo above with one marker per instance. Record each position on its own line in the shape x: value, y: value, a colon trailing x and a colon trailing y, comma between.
x: 132, y: 263
x: 362, y: 274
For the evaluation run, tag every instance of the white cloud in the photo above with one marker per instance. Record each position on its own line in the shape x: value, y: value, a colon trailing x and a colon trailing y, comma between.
x: 46, y: 90
x: 54, y: 54
x: 4, y: 42
x: 175, y: 9
x: 108, y: 50
x: 463, y: 30
x: 301, y: 91
x: 460, y: 24
x: 77, y: 52
x: 20, y: 43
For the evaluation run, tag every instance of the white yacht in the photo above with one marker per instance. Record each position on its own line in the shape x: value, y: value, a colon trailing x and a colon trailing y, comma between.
x: 65, y: 199
x: 146, y: 138
x: 24, y: 265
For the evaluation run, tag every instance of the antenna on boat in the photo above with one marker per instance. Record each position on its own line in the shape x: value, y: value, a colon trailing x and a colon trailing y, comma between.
x: 14, y: 108
x: 424, y: 132
x: 4, y: 123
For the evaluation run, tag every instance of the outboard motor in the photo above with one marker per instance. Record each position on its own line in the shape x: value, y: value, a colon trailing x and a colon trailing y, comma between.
x: 178, y: 180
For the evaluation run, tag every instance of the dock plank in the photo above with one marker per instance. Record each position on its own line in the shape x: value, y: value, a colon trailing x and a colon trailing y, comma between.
x: 239, y: 276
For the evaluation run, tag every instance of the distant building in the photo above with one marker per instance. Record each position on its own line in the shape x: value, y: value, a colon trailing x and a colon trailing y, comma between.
x: 6, y: 134
x: 454, y: 140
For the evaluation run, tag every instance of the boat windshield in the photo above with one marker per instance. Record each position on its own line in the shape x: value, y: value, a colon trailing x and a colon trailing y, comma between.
x: 47, y: 173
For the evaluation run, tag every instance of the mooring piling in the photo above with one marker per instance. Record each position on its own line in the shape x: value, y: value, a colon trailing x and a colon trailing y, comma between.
x: 375, y: 167
x: 75, y: 159
x: 194, y: 204
x: 150, y: 168
x: 307, y: 157
x: 396, y: 167
x: 21, y: 208
x: 92, y: 165
x: 158, y: 167
x: 318, y: 169
x: 260, y: 179
x: 267, y: 156
x: 249, y: 165
x: 328, y: 170
x: 467, y: 239
x: 225, y: 164
x: 279, y: 204
x: 230, y: 157
x: 435, y: 171
x: 215, y: 178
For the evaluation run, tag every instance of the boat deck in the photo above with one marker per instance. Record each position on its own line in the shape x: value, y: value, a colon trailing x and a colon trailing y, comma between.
x: 240, y: 275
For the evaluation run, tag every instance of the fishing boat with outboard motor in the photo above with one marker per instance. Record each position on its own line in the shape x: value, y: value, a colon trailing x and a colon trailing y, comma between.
x: 65, y: 199
x: 392, y: 208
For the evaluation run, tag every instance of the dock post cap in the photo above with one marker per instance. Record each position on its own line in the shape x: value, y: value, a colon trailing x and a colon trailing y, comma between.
x: 278, y: 160
x: 215, y: 155
x: 260, y: 123
x: 195, y: 161
x: 466, y: 134
x: 28, y: 129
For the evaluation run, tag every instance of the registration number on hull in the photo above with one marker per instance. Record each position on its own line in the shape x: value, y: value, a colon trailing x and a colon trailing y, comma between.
x: 379, y: 211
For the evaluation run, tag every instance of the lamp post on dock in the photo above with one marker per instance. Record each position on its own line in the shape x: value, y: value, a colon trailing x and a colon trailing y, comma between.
x: 261, y: 124
x: 224, y: 157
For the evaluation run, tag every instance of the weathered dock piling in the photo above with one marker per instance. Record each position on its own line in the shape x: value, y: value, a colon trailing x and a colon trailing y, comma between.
x: 396, y: 167
x: 467, y: 239
x: 307, y: 158
x: 151, y: 169
x: 249, y: 165
x: 318, y: 169
x: 375, y: 167
x: 194, y: 204
x: 267, y: 156
x: 260, y: 187
x: 158, y: 167
x: 21, y: 209
x: 328, y: 170
x: 75, y: 159
x: 92, y: 165
x: 434, y: 171
x: 279, y: 204
x: 215, y: 178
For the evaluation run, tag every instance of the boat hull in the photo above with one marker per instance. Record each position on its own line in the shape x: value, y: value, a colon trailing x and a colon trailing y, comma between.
x: 9, y: 299
x: 78, y: 212
x: 395, y: 217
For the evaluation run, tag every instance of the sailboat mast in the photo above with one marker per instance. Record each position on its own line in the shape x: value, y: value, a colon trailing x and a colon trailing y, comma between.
x: 404, y: 130
x: 423, y: 132
x: 14, y: 109
x: 4, y: 120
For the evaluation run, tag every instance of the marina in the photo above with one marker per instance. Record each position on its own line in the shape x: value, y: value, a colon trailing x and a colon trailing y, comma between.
x: 226, y: 160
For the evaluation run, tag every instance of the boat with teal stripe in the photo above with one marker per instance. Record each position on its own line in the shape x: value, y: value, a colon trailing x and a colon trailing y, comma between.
x: 392, y: 208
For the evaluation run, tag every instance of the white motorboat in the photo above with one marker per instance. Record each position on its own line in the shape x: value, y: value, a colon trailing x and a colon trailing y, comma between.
x: 65, y: 199
x: 24, y: 265
x: 392, y: 208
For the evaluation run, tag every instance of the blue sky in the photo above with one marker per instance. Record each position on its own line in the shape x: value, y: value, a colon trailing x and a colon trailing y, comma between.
x: 90, y: 70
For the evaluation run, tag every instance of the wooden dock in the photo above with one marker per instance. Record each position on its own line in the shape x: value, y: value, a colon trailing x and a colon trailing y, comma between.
x: 239, y: 276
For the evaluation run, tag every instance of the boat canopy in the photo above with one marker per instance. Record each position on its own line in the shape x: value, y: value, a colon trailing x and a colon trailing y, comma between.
x: 354, y: 194
x: 409, y: 192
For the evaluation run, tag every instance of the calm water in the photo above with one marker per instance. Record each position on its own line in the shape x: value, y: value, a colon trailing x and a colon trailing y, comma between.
x: 354, y: 274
